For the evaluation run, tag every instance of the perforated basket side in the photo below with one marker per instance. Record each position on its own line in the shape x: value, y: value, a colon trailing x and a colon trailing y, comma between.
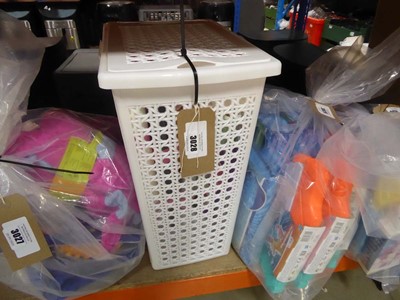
x: 191, y: 217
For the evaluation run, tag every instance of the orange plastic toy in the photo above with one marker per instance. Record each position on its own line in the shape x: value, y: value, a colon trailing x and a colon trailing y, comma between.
x: 307, y: 207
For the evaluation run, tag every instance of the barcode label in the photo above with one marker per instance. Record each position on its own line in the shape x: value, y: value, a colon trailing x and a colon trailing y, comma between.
x: 306, y: 237
x: 328, y: 245
x: 338, y: 227
x: 300, y: 251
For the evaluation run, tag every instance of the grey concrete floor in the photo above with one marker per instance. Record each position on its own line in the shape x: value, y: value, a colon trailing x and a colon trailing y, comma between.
x: 348, y: 285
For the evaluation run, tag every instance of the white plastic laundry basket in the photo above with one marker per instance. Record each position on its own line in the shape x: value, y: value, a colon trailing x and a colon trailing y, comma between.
x: 190, y: 219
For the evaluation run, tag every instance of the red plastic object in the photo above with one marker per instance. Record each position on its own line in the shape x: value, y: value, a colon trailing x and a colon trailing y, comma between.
x: 314, y: 29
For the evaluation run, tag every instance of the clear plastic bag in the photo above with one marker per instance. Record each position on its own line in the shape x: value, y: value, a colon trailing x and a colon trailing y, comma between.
x: 91, y: 221
x: 340, y: 78
x: 21, y: 54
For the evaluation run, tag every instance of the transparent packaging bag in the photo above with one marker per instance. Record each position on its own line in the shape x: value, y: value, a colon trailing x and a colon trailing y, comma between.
x: 73, y: 172
x: 83, y: 169
x: 21, y: 54
x: 340, y: 78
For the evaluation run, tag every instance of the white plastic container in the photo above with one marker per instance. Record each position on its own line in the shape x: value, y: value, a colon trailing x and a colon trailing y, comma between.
x: 191, y: 219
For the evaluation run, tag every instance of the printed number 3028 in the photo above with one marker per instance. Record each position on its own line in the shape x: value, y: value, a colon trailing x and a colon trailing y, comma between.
x: 17, y: 236
x: 193, y: 143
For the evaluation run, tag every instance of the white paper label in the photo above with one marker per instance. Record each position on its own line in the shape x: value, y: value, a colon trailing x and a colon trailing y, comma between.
x: 300, y: 253
x: 329, y: 244
x: 20, y: 237
x: 196, y: 139
x: 393, y: 109
x: 324, y: 110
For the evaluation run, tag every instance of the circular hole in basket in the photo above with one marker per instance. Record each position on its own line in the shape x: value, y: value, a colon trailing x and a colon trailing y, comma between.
x: 194, y: 178
x: 172, y: 225
x: 194, y: 221
x: 145, y: 124
x: 208, y: 175
x: 226, y: 116
x: 225, y: 213
x: 143, y: 111
x: 148, y: 138
x: 160, y: 226
x: 225, y: 129
x: 151, y: 161
x: 165, y: 259
x: 163, y: 240
x: 165, y: 149
x: 236, y: 139
x: 178, y: 107
x: 183, y: 231
x: 164, y: 136
x: 221, y: 163
x: 156, y: 202
x: 240, y: 114
x: 205, y: 211
x: 170, y: 209
x: 155, y: 193
x: 206, y: 194
x: 239, y: 126
x: 242, y: 100
x: 224, y: 141
x: 183, y: 215
x: 182, y: 207
x: 202, y: 251
x: 163, y: 247
x: 181, y: 180
x: 219, y: 182
x: 154, y: 183
x: 233, y: 160
x: 223, y: 227
x: 194, y: 197
x: 231, y: 170
x: 216, y: 208
x: 163, y: 123
x: 161, y: 233
x: 227, y: 197
x: 182, y: 199
x: 194, y: 214
x: 152, y: 173
x: 222, y: 152
x: 236, y: 149
x: 195, y: 188
x: 170, y: 201
x: 229, y: 189
x: 212, y: 104
x: 183, y: 223
x: 168, y: 181
x: 227, y: 102
x: 171, y: 217
x: 219, y: 173
x: 214, y: 223
x: 168, y: 192
x: 207, y: 185
x: 167, y: 160
x: 204, y: 219
x: 218, y: 192
x: 213, y: 230
x: 226, y: 205
x: 182, y: 190
x: 162, y: 109
x: 172, y: 232
x: 167, y: 171
x: 194, y: 205
x: 217, y: 200
x: 149, y: 150
x: 158, y: 210
x: 215, y: 216
x: 230, y: 180
x: 205, y: 203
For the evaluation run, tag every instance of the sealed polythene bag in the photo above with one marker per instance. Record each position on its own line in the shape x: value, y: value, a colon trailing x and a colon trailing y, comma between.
x: 368, y: 151
x: 70, y: 222
x: 77, y: 182
x: 311, y: 217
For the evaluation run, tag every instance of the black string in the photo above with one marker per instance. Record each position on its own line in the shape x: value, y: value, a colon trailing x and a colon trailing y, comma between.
x: 42, y: 167
x: 184, y: 54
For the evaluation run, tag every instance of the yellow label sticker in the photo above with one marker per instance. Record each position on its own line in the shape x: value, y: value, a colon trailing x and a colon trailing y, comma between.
x: 79, y: 156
